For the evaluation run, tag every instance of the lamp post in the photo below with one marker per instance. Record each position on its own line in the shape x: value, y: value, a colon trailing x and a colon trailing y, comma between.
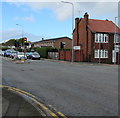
x: 72, y: 59
x: 21, y: 27
x: 115, y: 39
x: 22, y: 39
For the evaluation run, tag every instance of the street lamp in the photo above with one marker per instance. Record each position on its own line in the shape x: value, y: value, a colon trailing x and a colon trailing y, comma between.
x: 21, y: 27
x: 115, y: 39
x: 22, y: 38
x: 72, y: 59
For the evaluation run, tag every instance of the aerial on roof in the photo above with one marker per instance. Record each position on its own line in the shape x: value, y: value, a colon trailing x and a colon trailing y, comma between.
x: 103, y: 26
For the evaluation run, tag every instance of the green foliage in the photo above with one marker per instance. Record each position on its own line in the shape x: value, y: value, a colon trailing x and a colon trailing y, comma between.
x: 4, y: 48
x: 65, y: 49
x: 10, y: 42
x: 20, y: 40
x: 44, y: 51
x: 19, y: 49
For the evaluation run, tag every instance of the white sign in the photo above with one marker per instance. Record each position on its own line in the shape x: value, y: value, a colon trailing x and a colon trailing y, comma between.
x: 76, y: 47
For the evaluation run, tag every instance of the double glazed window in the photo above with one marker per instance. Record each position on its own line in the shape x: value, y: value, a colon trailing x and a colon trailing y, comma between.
x: 101, y: 38
x: 101, y: 54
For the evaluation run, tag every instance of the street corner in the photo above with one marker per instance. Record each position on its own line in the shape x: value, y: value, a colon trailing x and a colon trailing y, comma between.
x: 16, y: 102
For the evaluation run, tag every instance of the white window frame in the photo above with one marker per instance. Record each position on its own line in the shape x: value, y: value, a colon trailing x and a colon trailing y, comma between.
x: 100, y: 53
x: 101, y: 38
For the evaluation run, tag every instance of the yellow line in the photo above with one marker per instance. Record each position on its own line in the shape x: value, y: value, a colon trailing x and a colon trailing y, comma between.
x: 61, y: 114
x: 45, y: 108
x: 20, y: 91
x: 25, y: 94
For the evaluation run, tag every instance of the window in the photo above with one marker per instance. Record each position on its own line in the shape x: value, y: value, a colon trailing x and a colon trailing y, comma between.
x: 101, y: 54
x: 116, y: 38
x: 101, y: 38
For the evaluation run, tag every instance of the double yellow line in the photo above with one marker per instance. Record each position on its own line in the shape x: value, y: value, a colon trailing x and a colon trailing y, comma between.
x: 33, y: 98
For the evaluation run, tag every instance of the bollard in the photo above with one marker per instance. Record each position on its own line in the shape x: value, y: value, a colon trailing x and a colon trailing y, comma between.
x: 22, y: 60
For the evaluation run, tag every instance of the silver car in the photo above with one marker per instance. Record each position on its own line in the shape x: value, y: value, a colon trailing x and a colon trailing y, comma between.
x: 20, y: 55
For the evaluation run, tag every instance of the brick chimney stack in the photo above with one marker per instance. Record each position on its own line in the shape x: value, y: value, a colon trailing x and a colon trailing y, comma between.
x: 76, y: 22
x: 86, y: 16
x: 77, y: 34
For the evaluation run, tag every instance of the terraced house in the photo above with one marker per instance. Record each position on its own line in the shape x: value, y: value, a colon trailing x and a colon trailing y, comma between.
x: 98, y: 39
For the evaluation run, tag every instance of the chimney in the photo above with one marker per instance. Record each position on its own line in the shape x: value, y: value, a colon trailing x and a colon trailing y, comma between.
x: 86, y: 16
x: 76, y: 22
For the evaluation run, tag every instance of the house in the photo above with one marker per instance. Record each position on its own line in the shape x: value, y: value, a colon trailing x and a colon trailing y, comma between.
x: 98, y: 39
x: 61, y: 42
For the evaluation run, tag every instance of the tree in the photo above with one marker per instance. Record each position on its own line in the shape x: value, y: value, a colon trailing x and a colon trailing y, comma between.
x: 10, y: 42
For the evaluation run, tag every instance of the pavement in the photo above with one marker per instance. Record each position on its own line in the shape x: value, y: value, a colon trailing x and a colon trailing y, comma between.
x: 71, y: 89
x: 15, y: 105
x: 18, y: 103
x: 61, y: 61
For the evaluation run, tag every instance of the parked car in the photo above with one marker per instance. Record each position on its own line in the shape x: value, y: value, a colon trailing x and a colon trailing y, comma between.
x: 34, y: 55
x: 13, y: 54
x: 8, y: 52
x: 3, y: 53
x: 20, y: 55
x: 28, y: 54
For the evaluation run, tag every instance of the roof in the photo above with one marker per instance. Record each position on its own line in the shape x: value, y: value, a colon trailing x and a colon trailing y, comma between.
x: 103, y: 26
x: 53, y: 39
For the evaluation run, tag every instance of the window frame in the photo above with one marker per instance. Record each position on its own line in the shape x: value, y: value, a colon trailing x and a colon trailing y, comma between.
x: 101, y: 38
x: 100, y: 53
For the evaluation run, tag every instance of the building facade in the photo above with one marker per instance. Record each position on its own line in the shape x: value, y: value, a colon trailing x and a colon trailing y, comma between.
x: 98, y: 39
x: 61, y: 42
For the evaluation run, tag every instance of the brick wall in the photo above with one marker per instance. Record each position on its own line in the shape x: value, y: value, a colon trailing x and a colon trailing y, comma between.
x: 66, y: 40
x: 108, y: 46
x: 66, y: 55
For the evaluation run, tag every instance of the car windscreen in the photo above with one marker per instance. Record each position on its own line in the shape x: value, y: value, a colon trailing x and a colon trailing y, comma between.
x: 8, y: 51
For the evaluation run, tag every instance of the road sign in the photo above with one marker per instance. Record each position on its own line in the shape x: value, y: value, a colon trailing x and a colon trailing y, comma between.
x: 76, y: 47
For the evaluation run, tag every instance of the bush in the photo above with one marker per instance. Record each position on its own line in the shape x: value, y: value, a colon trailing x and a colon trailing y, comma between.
x: 4, y: 48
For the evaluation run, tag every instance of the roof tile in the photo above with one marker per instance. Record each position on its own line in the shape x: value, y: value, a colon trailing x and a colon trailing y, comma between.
x: 103, y: 26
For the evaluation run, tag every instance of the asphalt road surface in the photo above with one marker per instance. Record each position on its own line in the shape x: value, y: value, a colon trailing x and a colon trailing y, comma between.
x: 73, y: 89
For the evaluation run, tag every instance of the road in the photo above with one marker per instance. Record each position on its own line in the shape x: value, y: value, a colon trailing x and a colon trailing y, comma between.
x: 73, y: 89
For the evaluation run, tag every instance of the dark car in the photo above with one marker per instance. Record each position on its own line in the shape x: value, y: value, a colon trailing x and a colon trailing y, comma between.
x: 28, y: 54
x: 8, y: 52
x: 34, y: 55
x: 13, y: 54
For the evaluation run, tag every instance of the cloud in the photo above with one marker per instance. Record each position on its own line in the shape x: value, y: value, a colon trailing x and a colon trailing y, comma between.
x: 28, y: 18
x: 14, y: 33
x: 60, y: 0
x: 63, y: 11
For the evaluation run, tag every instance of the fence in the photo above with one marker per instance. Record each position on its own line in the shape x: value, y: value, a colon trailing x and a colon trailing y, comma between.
x: 53, y: 55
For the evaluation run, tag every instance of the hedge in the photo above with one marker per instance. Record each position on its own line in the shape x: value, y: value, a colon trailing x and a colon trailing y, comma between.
x: 43, y: 51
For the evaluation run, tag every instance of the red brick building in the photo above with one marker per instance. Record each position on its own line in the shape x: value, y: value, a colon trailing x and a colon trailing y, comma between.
x: 55, y: 42
x: 98, y: 39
